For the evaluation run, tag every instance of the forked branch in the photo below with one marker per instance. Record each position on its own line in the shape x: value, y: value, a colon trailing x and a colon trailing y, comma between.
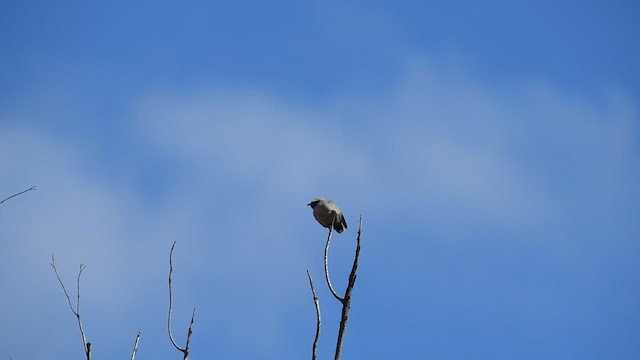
x: 346, y: 303
x: 185, y: 350
x: 346, y: 300
x: 76, y: 311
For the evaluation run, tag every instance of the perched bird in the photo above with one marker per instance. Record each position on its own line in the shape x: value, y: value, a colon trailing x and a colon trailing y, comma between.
x: 325, y: 210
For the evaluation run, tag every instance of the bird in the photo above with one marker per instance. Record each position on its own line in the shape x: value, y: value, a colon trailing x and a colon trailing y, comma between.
x: 325, y: 211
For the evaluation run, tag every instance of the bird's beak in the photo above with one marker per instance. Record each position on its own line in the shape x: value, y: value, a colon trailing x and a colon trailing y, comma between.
x: 309, y: 204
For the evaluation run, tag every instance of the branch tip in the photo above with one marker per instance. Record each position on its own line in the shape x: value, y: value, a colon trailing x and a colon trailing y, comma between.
x: 18, y: 194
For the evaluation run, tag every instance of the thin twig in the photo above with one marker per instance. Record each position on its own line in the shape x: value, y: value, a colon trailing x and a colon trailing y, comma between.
x: 346, y: 304
x: 76, y: 311
x: 55, y: 270
x: 135, y: 346
x: 326, y: 266
x: 316, y: 302
x: 84, y: 339
x: 16, y: 194
x: 171, y: 297
x: 189, y: 333
x: 185, y: 350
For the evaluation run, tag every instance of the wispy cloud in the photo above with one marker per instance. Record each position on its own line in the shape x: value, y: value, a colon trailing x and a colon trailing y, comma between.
x: 437, y: 147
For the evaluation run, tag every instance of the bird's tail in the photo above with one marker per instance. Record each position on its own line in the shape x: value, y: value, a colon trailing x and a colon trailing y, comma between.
x: 340, y: 224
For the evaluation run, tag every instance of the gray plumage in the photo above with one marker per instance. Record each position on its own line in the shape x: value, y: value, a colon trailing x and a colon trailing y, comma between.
x: 324, y: 210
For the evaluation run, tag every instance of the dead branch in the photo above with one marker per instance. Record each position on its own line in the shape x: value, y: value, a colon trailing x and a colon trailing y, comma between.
x: 17, y: 194
x: 346, y: 303
x: 316, y: 302
x: 76, y: 311
x: 135, y: 346
x: 326, y: 266
x: 185, y: 350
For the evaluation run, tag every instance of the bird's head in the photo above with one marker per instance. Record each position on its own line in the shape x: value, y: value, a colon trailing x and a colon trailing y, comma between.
x: 314, y: 202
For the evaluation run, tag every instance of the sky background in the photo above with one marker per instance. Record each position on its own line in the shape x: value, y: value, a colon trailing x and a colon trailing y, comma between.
x: 492, y: 149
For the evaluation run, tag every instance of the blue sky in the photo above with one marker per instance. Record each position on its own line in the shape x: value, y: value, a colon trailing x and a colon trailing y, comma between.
x: 492, y: 149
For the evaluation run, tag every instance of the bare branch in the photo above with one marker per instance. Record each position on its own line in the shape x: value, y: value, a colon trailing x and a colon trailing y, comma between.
x: 189, y: 333
x: 76, y: 311
x: 135, y: 346
x: 316, y: 302
x: 346, y: 304
x: 87, y: 345
x: 171, y: 298
x: 17, y: 194
x: 326, y: 266
x: 185, y: 350
x: 55, y: 270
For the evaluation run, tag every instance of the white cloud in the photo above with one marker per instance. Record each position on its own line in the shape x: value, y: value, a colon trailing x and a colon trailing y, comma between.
x: 438, y: 145
x: 437, y: 139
